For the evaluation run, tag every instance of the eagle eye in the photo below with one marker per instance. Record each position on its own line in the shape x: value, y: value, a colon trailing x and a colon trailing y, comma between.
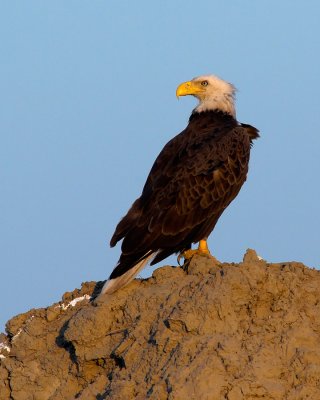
x: 204, y: 83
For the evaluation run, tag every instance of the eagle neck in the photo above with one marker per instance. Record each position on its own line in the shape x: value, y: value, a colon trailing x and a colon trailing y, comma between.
x: 212, y: 114
x: 224, y: 103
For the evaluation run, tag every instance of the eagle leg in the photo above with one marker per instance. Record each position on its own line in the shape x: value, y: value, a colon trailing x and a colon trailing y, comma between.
x: 200, y: 251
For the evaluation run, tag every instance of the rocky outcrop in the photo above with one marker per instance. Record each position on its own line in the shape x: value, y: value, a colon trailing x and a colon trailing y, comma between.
x: 211, y: 331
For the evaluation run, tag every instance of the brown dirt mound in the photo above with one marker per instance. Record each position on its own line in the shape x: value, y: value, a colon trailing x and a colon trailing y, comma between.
x: 215, y: 331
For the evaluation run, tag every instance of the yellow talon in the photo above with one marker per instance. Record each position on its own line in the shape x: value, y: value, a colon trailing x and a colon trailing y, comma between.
x: 201, y: 250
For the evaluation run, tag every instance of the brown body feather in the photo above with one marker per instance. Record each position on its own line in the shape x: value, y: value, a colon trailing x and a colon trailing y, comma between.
x: 195, y: 177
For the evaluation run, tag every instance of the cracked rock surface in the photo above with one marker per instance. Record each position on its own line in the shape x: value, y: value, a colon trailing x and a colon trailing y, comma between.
x: 212, y: 331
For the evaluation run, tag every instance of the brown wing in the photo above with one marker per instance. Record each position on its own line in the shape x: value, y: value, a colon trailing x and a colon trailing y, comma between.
x: 194, y: 178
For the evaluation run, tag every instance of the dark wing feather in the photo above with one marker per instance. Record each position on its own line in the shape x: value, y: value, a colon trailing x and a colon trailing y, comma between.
x: 194, y: 178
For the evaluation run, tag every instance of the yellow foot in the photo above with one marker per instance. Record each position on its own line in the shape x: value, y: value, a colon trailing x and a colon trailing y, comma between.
x: 200, y: 251
x: 190, y: 253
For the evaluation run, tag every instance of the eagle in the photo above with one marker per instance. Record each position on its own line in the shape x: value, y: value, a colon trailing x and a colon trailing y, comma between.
x: 192, y: 181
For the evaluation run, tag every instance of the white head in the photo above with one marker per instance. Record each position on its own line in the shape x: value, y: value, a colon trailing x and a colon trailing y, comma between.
x: 212, y: 92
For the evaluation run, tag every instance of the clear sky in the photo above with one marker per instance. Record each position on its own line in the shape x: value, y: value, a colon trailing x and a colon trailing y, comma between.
x: 87, y: 101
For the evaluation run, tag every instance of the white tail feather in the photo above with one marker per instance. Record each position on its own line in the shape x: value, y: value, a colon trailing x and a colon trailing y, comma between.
x: 113, y: 285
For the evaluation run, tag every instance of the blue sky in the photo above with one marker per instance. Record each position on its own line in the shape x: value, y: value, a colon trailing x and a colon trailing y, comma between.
x: 87, y: 100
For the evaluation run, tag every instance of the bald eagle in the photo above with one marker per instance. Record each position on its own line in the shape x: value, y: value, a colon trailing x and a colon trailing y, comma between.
x: 192, y: 181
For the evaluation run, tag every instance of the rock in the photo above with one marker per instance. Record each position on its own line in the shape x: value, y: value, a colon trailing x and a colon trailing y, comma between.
x: 209, y: 331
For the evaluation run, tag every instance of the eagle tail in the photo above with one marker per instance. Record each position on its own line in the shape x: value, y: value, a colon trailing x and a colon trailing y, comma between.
x: 112, y: 285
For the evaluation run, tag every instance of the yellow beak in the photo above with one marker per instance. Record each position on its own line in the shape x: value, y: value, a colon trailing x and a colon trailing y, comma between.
x: 190, y: 87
